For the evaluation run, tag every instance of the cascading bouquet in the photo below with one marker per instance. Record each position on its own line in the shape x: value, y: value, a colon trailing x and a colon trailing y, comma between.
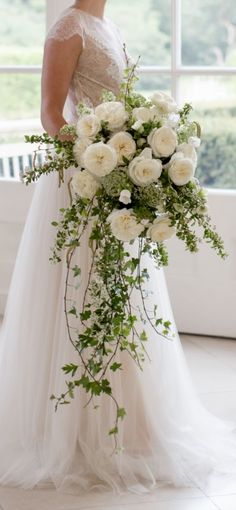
x: 134, y: 162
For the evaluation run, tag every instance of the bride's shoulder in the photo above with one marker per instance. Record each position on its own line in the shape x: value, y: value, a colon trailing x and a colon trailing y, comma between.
x: 68, y: 24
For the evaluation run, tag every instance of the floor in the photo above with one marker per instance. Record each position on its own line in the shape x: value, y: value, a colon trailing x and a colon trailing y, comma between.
x: 213, y: 366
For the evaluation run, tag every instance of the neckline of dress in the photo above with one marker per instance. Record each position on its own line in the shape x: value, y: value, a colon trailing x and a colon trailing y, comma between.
x: 102, y: 20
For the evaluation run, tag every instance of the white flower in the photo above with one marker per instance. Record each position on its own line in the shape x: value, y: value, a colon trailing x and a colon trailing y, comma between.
x: 112, y: 112
x: 144, y: 114
x: 164, y: 103
x: 125, y: 197
x: 138, y: 126
x: 100, y: 159
x: 188, y: 151
x: 163, y: 141
x: 181, y: 170
x: 79, y: 148
x: 195, y: 141
x: 84, y: 184
x: 124, y: 225
x: 141, y: 142
x: 144, y: 170
x: 161, y: 230
x: 124, y: 145
x: 172, y: 120
x: 88, y: 126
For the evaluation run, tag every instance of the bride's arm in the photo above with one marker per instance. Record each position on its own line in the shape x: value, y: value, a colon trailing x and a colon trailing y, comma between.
x: 59, y: 63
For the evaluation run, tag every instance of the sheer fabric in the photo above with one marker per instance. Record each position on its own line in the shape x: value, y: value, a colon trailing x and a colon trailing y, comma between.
x: 167, y: 434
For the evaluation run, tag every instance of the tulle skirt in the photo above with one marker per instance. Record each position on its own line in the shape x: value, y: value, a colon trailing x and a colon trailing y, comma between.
x: 167, y: 435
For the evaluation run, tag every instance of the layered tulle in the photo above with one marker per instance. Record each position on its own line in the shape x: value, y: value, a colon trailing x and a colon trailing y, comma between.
x: 166, y: 435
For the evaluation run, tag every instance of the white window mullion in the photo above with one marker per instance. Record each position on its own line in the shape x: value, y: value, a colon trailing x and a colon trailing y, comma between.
x: 176, y: 46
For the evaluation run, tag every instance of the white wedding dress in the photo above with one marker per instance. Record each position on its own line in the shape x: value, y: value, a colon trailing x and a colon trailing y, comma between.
x: 167, y: 435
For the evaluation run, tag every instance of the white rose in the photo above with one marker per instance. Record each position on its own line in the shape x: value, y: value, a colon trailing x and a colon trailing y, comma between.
x: 124, y: 145
x: 100, y: 159
x: 164, y: 103
x: 181, y: 171
x: 195, y: 141
x: 84, y: 184
x: 144, y: 170
x: 124, y: 225
x: 112, y: 112
x: 88, y: 126
x: 163, y: 141
x: 125, y: 196
x: 145, y: 114
x: 161, y: 230
x: 188, y: 151
x: 79, y: 148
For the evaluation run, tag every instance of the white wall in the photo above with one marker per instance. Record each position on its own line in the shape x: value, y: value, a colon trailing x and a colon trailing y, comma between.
x: 202, y: 286
x: 15, y: 200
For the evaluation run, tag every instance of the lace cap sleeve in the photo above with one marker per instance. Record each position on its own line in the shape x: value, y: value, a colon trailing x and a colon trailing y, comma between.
x: 67, y: 25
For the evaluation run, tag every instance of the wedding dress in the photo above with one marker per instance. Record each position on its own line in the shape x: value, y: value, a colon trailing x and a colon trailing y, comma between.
x: 167, y: 435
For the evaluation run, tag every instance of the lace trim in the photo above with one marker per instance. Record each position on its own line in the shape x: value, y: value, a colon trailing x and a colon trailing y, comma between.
x: 66, y: 27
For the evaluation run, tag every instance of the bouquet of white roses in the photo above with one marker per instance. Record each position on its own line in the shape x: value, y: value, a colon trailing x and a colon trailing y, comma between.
x: 134, y: 182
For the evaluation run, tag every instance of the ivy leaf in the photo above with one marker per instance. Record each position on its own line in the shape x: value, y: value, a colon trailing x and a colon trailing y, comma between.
x: 121, y: 413
x: 76, y: 270
x: 113, y: 431
x: 73, y: 311
x: 115, y: 366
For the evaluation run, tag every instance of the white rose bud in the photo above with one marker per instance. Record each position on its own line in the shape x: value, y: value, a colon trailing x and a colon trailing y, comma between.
x: 88, y: 126
x: 195, y: 141
x: 144, y: 171
x: 163, y: 141
x: 84, y: 184
x: 164, y: 103
x: 161, y: 230
x: 141, y: 142
x: 138, y: 126
x: 100, y: 159
x: 125, y: 197
x: 124, y: 225
x: 181, y: 171
x: 124, y: 145
x: 144, y: 114
x: 112, y: 112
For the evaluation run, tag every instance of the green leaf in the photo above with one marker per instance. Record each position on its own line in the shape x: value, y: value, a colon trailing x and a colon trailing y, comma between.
x: 70, y: 369
x: 73, y: 311
x: 115, y: 366
x: 113, y: 431
x: 76, y: 270
x: 121, y: 413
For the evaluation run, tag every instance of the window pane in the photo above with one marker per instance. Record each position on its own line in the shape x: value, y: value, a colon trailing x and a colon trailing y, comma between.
x: 22, y: 31
x: 214, y: 103
x: 145, y: 27
x: 209, y: 36
x: 20, y: 99
x: 149, y: 83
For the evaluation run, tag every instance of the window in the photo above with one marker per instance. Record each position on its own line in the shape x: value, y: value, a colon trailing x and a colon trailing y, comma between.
x: 21, y: 46
x: 189, y: 48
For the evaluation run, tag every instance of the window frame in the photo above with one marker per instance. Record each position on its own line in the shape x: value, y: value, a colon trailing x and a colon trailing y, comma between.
x: 175, y: 71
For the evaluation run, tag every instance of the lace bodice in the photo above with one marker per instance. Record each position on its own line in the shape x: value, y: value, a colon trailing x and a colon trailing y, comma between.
x: 102, y: 61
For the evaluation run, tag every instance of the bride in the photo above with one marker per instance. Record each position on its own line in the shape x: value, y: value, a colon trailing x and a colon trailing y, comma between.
x: 167, y: 434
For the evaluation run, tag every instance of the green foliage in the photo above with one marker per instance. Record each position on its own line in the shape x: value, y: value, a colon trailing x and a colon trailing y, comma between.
x: 104, y: 325
x: 217, y: 161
